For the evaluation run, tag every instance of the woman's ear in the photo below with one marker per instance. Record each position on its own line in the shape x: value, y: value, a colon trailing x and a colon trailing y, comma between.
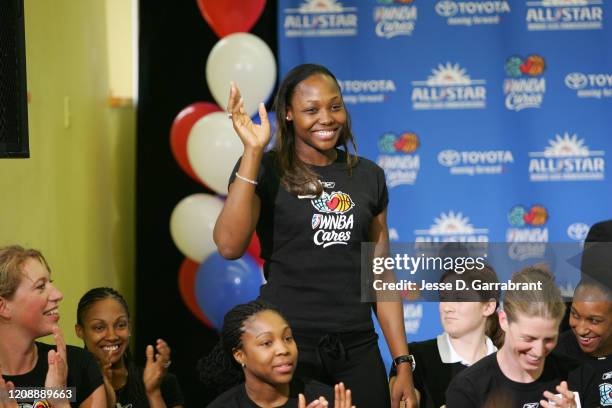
x: 4, y: 308
x: 79, y: 331
x: 289, y: 114
x: 489, y: 308
x: 503, y: 320
x: 239, y: 357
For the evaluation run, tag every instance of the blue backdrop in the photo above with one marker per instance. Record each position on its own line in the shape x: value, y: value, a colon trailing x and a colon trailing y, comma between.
x: 492, y: 119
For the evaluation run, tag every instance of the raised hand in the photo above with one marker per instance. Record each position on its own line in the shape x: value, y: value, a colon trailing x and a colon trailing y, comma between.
x: 251, y: 135
x: 58, y: 366
x: 107, y: 375
x: 564, y: 399
x: 318, y: 403
x: 156, y: 366
x: 5, y: 386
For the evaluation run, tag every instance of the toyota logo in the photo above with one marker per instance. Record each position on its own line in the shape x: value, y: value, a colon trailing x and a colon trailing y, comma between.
x: 576, y: 80
x: 446, y: 8
x: 578, y: 231
x: 449, y: 158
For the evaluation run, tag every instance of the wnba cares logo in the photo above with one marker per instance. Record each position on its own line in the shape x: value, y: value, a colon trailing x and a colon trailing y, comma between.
x: 527, y: 224
x: 522, y: 93
x: 333, y: 226
x: 397, y: 157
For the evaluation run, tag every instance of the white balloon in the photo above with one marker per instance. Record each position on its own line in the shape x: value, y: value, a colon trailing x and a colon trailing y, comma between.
x: 192, y: 223
x: 245, y: 59
x: 213, y: 147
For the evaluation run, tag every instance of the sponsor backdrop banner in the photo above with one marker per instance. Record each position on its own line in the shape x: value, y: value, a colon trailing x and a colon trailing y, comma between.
x: 492, y: 119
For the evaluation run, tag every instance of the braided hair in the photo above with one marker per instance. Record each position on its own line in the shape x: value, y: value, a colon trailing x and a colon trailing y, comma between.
x: 134, y: 387
x: 219, y: 371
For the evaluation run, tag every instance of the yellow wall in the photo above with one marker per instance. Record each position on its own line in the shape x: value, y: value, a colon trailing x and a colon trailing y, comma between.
x: 74, y: 198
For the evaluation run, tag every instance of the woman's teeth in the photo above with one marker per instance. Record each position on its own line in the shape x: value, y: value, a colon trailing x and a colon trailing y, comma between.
x: 110, y: 348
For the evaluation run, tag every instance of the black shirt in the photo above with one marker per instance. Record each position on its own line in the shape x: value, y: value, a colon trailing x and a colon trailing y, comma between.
x: 83, y: 373
x: 170, y: 390
x: 568, y: 345
x: 312, y: 245
x: 484, y: 384
x: 431, y: 375
x: 237, y: 397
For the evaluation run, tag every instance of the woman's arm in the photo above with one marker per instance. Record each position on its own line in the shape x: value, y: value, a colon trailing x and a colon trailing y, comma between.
x: 96, y: 399
x: 236, y: 223
x: 391, y: 318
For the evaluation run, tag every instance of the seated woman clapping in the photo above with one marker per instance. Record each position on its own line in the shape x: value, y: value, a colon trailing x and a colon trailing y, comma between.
x: 256, y: 359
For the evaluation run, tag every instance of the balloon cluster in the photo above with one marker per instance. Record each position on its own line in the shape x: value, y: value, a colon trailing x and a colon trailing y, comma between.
x: 206, y: 148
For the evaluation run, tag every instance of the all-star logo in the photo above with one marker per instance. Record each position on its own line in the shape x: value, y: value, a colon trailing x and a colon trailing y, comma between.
x: 567, y: 158
x: 449, y: 87
x: 525, y: 88
x: 552, y: 15
x: 395, y: 20
x: 320, y: 18
x: 452, y: 227
x: 398, y: 157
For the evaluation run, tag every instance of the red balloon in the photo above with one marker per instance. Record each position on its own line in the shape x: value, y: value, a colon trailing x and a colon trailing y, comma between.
x: 254, y: 249
x: 231, y: 16
x: 179, y: 132
x: 186, y: 283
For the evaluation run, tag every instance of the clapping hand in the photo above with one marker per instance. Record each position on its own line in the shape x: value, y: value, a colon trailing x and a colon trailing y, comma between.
x: 158, y: 361
x: 342, y: 399
x: 251, y: 135
x: 564, y: 398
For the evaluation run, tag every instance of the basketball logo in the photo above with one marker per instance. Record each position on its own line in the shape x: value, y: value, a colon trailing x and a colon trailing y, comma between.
x: 335, y: 203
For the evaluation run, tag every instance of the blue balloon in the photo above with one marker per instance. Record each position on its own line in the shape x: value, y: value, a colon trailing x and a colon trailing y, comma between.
x: 222, y: 284
x: 272, y: 120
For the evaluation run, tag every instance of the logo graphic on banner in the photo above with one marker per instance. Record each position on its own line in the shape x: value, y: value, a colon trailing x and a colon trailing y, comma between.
x: 413, y: 314
x: 452, y: 227
x: 393, y: 21
x: 333, y: 226
x: 578, y: 231
x: 366, y: 91
x: 527, y: 225
x: 522, y: 93
x: 396, y: 158
x: 590, y: 85
x: 564, y: 15
x: 472, y: 163
x: 567, y: 158
x: 469, y: 13
x: 320, y: 18
x: 449, y: 87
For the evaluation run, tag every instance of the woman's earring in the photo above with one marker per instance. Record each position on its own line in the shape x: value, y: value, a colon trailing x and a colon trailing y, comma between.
x: 287, y: 118
x: 243, y: 365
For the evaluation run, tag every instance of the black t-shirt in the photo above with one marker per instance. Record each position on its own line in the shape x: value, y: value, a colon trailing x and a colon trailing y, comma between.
x: 484, y: 384
x: 237, y: 397
x: 312, y: 246
x: 170, y: 390
x: 431, y: 376
x: 602, y: 366
x: 83, y: 373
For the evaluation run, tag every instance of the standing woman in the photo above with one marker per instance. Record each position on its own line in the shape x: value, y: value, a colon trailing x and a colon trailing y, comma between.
x: 29, y: 309
x: 313, y: 204
x: 103, y: 322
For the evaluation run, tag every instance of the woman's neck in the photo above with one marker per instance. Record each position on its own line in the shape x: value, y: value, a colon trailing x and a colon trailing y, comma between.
x: 119, y: 374
x: 316, y: 157
x: 511, y: 368
x: 471, y: 347
x: 16, y: 355
x: 266, y: 395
